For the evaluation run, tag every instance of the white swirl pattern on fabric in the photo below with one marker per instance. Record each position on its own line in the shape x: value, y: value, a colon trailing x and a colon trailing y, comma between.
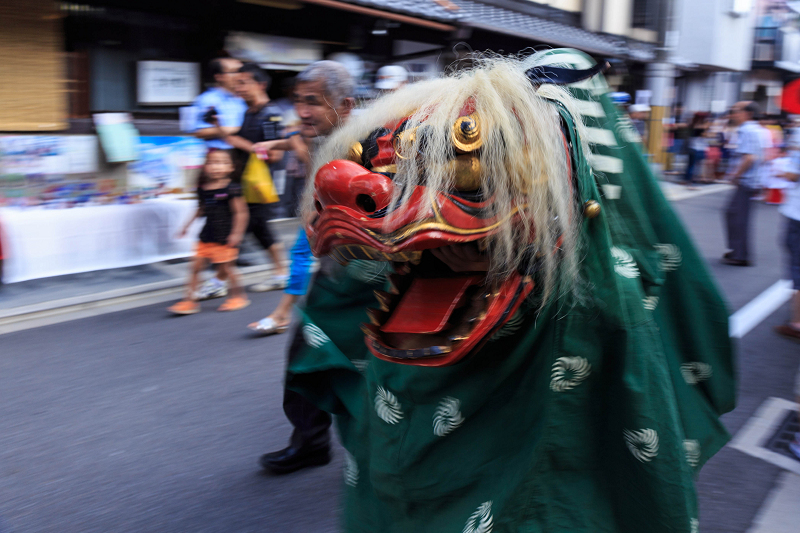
x: 350, y: 470
x: 387, y: 407
x: 568, y: 373
x: 481, y: 520
x: 643, y: 444
x: 694, y: 373
x: 671, y: 256
x: 692, y: 449
x: 447, y: 416
x: 510, y: 327
x: 360, y: 364
x: 694, y: 525
x: 314, y: 336
x: 650, y: 302
x: 624, y: 265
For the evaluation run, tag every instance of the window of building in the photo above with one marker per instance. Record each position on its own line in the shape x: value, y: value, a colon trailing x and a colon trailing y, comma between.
x: 645, y: 14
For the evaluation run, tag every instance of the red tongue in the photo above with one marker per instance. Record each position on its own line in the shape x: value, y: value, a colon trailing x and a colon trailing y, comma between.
x: 427, y: 304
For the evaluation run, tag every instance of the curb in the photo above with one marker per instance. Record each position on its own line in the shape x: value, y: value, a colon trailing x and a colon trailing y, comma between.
x: 109, y: 298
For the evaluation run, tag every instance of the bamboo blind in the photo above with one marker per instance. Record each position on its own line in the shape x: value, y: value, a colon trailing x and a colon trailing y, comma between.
x: 32, y: 92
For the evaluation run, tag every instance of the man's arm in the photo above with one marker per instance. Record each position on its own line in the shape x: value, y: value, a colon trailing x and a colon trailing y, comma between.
x: 744, y: 166
x: 216, y: 132
x: 239, y: 142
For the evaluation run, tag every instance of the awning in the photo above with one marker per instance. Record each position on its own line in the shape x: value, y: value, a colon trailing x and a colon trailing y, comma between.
x: 496, y: 19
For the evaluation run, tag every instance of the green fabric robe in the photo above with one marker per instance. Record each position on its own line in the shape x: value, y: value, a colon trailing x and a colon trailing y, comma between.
x: 591, y: 414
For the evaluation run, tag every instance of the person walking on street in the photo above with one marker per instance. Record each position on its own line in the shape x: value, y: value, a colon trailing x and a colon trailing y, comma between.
x: 680, y: 137
x: 222, y: 102
x: 697, y: 147
x: 220, y: 202
x: 262, y: 122
x: 747, y: 157
x: 218, y: 112
x: 323, y: 101
x: 790, y: 209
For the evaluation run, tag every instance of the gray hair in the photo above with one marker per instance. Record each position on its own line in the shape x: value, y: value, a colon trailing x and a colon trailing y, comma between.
x: 337, y: 83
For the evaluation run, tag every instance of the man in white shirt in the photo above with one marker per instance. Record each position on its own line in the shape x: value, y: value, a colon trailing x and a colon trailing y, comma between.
x: 791, y: 210
x: 748, y: 156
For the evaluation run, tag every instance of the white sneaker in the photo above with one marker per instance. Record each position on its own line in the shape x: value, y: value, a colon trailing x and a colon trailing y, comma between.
x: 212, y: 288
x: 272, y: 284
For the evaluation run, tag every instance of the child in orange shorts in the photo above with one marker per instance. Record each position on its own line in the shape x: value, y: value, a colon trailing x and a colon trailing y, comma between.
x: 221, y: 203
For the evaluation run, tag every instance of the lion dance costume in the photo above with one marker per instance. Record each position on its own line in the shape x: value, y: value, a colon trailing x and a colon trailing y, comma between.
x: 574, y: 386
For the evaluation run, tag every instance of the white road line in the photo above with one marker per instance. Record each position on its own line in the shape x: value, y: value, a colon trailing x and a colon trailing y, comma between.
x: 778, y: 514
x: 676, y: 192
x: 759, y: 308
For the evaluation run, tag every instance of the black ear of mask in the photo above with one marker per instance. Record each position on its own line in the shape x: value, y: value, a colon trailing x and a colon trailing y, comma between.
x: 563, y: 76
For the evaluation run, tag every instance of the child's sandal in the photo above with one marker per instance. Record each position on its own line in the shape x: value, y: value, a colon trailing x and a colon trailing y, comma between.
x: 234, y: 304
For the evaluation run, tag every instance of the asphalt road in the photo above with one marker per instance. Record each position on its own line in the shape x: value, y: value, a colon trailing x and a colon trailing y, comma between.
x: 136, y: 421
x: 139, y: 421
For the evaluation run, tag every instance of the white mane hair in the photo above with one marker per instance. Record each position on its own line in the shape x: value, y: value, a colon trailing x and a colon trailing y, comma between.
x: 524, y: 163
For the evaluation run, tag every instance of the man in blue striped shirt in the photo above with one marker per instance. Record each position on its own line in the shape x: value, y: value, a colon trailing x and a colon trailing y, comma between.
x: 220, y: 100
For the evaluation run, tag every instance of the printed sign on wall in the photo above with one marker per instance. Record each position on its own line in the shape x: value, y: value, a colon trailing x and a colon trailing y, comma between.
x: 167, y: 82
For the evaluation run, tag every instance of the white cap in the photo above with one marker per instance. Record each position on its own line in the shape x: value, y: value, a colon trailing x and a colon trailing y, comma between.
x: 390, y: 77
x: 639, y: 108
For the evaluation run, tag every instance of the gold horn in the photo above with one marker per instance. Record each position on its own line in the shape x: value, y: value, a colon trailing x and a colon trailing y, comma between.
x: 355, y: 153
x: 466, y: 171
x: 466, y: 134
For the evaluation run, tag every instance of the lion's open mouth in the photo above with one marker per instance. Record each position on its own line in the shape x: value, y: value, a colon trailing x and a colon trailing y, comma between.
x: 431, y: 315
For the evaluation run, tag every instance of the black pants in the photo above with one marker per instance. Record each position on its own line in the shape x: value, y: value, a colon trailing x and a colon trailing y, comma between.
x: 310, y: 423
x: 737, y: 221
x: 258, y: 224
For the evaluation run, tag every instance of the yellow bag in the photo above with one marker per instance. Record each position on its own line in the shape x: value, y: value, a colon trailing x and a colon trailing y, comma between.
x: 257, y: 183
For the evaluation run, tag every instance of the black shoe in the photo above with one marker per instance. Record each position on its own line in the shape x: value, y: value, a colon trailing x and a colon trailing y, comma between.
x: 240, y: 262
x: 292, y: 459
x: 735, y: 262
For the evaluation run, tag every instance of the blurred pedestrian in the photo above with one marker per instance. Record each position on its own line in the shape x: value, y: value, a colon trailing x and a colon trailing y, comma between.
x: 390, y: 78
x: 640, y: 115
x: 791, y: 211
x: 323, y: 101
x: 218, y: 112
x: 220, y: 102
x: 743, y: 172
x: 680, y: 136
x: 262, y: 122
x: 220, y: 202
x: 774, y: 181
x: 698, y: 144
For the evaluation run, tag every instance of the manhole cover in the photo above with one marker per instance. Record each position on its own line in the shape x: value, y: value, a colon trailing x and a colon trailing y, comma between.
x: 779, y: 442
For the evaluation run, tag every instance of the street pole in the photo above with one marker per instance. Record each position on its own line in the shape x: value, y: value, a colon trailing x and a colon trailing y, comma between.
x: 660, y: 77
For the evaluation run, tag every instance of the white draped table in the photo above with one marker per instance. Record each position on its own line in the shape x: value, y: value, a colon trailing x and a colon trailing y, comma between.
x: 39, y: 243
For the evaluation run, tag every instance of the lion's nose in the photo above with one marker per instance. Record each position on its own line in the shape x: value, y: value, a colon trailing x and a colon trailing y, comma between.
x: 348, y: 184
